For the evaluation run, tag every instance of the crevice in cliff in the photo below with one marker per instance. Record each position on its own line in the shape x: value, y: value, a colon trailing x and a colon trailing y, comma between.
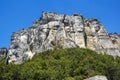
x: 85, y: 35
x: 85, y: 39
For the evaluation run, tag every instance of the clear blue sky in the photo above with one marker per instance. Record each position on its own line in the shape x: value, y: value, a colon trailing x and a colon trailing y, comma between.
x: 18, y: 14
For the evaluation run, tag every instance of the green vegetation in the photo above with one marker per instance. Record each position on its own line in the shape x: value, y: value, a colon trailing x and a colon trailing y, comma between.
x: 56, y: 45
x: 63, y: 64
x: 53, y: 43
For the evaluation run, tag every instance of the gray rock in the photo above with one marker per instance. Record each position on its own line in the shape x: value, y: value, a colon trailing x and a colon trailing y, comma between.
x: 98, y: 39
x: 3, y: 52
x: 115, y: 39
x: 55, y: 31
x: 97, y: 78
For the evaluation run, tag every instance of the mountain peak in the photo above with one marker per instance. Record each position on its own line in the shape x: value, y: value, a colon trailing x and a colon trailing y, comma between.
x: 55, y: 31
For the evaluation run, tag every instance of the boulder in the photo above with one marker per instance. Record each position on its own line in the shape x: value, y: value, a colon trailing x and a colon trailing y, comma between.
x: 97, y: 78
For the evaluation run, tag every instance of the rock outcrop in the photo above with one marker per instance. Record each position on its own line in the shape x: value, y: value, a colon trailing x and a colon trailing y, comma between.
x: 3, y: 52
x: 54, y: 31
x: 97, y: 78
x: 115, y: 39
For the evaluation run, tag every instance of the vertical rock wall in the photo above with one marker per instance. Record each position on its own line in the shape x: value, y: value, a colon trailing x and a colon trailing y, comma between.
x: 55, y: 31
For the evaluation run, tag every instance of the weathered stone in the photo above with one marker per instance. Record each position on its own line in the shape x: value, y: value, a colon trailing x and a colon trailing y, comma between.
x: 97, y: 78
x: 55, y: 31
x: 98, y: 39
x: 3, y: 52
x: 115, y: 39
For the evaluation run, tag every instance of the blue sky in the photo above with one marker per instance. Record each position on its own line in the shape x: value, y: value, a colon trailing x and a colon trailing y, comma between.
x: 18, y: 14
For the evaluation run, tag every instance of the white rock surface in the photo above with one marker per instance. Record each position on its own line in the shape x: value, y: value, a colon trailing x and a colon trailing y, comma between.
x: 61, y: 31
x: 97, y: 78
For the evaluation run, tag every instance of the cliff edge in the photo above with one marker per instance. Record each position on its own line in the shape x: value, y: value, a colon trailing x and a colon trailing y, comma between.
x: 55, y: 31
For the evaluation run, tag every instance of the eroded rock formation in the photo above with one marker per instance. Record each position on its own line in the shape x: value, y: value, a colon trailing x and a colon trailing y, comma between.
x: 54, y: 31
x: 3, y: 52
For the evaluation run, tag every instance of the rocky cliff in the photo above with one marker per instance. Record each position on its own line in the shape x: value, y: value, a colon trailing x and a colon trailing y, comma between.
x: 54, y: 31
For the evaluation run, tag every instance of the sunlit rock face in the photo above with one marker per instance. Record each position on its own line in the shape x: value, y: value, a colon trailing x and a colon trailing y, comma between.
x: 55, y: 31
x: 98, y: 39
x: 97, y: 78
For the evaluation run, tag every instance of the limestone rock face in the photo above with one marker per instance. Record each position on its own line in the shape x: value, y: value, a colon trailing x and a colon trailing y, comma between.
x: 98, y: 39
x: 97, y: 78
x: 3, y: 52
x: 115, y: 39
x: 55, y: 31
